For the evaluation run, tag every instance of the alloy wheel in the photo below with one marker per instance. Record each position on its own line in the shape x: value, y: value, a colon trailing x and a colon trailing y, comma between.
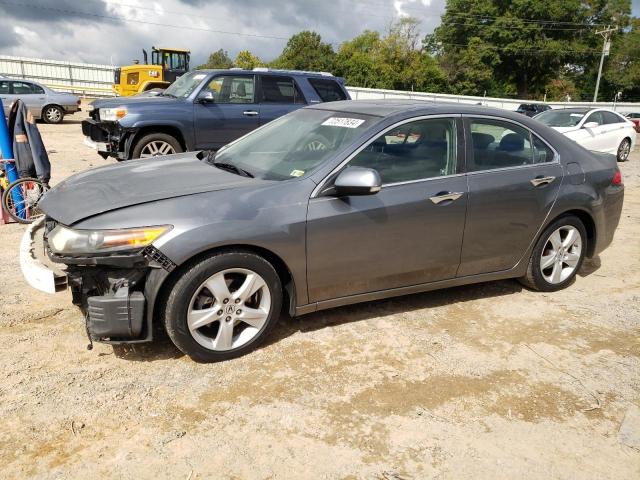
x: 623, y: 150
x: 53, y: 115
x: 561, y: 254
x: 229, y: 309
x: 155, y: 148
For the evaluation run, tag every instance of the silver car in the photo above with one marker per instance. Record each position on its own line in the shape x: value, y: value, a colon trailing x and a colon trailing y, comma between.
x: 42, y: 102
x: 333, y: 204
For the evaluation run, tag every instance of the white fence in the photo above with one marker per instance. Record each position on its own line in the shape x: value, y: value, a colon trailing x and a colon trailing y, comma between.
x: 358, y: 93
x: 80, y: 78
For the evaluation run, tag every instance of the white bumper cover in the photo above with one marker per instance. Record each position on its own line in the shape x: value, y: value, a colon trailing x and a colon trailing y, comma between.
x: 36, y: 273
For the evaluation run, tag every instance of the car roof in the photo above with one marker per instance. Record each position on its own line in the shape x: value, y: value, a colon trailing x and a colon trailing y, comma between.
x: 384, y: 108
x: 265, y: 71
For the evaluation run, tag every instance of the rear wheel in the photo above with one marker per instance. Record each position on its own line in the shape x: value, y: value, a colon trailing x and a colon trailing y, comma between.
x: 20, y: 200
x: 623, y: 150
x: 52, y: 114
x: 223, y: 306
x: 557, y: 256
x: 156, y: 144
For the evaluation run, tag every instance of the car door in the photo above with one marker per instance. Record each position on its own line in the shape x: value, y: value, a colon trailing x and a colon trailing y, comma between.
x: 615, y: 131
x: 279, y: 95
x: 408, y: 233
x: 224, y: 110
x: 4, y: 95
x: 32, y: 95
x: 592, y: 138
x: 513, y: 178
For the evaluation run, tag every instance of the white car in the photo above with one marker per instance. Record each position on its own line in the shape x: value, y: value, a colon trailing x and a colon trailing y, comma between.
x: 595, y: 129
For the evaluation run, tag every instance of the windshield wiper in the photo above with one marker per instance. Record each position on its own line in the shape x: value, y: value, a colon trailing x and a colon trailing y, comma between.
x: 230, y: 167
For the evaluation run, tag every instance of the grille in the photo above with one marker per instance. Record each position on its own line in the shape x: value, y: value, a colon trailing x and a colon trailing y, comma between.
x: 152, y: 253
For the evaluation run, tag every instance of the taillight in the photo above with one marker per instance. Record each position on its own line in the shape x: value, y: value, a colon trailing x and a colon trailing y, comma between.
x: 617, y: 177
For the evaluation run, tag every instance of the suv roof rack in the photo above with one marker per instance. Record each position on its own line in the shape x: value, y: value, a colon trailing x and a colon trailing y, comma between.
x: 305, y: 72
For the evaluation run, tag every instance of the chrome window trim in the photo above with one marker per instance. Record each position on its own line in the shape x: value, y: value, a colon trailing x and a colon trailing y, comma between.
x: 453, y: 116
x: 556, y: 155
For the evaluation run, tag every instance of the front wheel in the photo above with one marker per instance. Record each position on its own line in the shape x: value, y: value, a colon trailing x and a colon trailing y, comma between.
x: 20, y: 199
x: 156, y: 144
x: 623, y: 150
x: 557, y: 256
x: 223, y: 306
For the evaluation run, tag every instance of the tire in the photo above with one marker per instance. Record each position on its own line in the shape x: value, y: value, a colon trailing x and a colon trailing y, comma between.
x: 211, y: 327
x: 52, y: 114
x: 624, y: 149
x: 155, y: 144
x: 562, y: 264
x: 32, y: 189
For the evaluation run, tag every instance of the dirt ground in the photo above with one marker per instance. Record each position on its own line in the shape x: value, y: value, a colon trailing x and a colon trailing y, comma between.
x: 487, y: 381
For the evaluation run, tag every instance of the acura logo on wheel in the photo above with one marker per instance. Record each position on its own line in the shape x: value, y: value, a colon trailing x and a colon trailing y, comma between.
x: 230, y: 308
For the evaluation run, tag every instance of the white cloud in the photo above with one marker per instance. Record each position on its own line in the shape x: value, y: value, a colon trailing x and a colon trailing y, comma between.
x: 400, y: 4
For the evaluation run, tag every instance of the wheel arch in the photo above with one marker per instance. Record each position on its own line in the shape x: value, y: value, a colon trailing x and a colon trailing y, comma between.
x: 588, y: 222
x: 155, y: 304
x: 172, y: 130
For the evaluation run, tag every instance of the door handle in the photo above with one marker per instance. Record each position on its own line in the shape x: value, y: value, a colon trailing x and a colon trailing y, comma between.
x: 539, y: 181
x: 250, y: 113
x: 444, y: 196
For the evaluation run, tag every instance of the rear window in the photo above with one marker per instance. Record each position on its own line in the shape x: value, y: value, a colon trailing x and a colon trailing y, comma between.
x: 328, y: 90
x: 280, y: 90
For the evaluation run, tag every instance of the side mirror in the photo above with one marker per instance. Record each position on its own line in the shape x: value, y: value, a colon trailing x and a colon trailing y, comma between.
x: 206, y: 97
x: 591, y: 125
x: 357, y: 181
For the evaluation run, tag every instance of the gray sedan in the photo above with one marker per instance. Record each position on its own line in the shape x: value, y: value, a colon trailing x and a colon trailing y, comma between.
x: 330, y: 205
x: 41, y: 101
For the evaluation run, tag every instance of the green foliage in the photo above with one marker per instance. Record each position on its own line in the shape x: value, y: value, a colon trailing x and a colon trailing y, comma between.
x: 219, y: 59
x: 306, y: 51
x: 623, y: 66
x: 245, y: 59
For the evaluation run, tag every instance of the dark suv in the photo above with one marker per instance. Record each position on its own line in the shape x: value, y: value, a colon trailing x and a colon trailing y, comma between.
x: 532, y: 109
x: 203, y: 110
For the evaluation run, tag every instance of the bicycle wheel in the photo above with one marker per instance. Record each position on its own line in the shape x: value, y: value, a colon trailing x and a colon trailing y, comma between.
x: 21, y: 199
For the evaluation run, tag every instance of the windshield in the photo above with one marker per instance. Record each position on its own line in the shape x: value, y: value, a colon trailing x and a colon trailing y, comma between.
x: 294, y: 145
x: 185, y: 85
x: 559, y: 118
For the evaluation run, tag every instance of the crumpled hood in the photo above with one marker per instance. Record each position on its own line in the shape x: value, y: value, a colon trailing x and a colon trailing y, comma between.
x: 134, y: 182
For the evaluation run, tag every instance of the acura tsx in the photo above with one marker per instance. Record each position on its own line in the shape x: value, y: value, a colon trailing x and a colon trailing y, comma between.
x: 330, y: 205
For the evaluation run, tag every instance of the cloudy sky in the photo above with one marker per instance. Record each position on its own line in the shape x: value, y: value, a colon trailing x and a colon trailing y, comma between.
x: 115, y: 31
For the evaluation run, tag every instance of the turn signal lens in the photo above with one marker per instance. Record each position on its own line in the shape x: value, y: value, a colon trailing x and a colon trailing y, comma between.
x: 617, y: 178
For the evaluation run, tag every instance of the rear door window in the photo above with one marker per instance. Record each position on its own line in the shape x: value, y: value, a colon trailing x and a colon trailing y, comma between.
x: 499, y: 144
x: 327, y: 90
x: 610, y: 118
x: 277, y: 89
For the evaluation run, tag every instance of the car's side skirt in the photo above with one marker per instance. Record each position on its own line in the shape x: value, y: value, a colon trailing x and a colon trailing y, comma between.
x: 517, y: 271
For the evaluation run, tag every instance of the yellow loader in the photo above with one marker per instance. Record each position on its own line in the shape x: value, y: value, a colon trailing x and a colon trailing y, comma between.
x: 167, y: 64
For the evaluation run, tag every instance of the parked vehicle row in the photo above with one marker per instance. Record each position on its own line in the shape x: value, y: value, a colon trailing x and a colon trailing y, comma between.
x: 399, y: 197
x: 203, y: 109
x: 41, y: 101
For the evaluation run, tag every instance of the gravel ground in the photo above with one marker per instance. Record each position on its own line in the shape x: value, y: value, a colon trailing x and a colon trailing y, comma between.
x: 485, y: 381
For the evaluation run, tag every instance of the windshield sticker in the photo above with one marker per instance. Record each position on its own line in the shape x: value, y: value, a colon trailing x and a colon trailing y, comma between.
x: 343, y: 122
x: 296, y: 173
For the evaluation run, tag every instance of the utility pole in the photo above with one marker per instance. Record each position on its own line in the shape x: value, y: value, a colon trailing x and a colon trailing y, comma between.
x: 606, y: 46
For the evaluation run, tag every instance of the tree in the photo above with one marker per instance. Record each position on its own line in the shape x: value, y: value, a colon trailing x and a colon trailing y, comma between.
x: 519, y: 46
x: 623, y: 66
x: 219, y: 59
x: 396, y: 61
x: 245, y: 59
x: 306, y: 51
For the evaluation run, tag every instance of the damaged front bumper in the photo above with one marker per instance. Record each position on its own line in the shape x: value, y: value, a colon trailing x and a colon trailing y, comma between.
x: 116, y: 293
x: 109, y: 139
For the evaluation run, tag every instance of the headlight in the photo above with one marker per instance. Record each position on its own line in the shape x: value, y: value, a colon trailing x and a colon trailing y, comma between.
x: 112, y: 114
x: 67, y: 241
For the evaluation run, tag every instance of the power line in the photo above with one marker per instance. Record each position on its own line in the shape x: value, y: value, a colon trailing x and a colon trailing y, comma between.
x: 516, y: 51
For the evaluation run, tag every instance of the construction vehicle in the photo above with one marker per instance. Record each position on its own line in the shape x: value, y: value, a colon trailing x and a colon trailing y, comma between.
x: 167, y: 64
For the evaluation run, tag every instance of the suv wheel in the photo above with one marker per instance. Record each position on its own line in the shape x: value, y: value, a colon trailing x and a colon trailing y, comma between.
x: 223, y: 306
x: 558, y: 255
x: 155, y: 144
x: 52, y: 114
